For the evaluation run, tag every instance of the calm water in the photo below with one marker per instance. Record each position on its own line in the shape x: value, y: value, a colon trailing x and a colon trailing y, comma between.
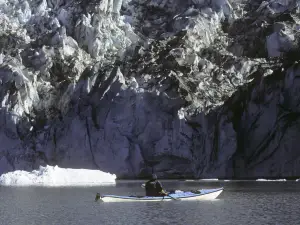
x: 241, y: 203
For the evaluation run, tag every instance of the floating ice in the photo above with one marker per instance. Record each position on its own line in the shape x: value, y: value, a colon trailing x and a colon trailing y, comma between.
x: 271, y: 180
x: 212, y: 179
x: 55, y: 176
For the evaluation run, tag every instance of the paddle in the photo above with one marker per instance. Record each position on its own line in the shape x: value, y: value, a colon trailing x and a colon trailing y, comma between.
x: 177, y: 199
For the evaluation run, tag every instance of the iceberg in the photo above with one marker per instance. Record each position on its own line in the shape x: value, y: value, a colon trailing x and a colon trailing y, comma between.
x: 56, y: 176
x: 271, y: 180
x: 297, y: 180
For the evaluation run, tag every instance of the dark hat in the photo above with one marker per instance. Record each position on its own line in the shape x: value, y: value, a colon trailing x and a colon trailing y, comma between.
x: 154, y: 177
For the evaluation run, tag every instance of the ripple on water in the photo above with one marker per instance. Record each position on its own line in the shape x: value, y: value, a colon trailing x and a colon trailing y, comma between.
x: 240, y: 203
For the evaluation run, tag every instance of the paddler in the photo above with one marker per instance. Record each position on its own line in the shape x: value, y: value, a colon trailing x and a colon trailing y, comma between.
x: 154, y: 188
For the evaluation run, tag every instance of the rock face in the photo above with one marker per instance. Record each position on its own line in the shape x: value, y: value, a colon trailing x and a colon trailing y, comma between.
x: 191, y: 88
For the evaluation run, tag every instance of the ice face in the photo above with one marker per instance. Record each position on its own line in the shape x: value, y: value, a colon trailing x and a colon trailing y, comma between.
x: 180, y: 87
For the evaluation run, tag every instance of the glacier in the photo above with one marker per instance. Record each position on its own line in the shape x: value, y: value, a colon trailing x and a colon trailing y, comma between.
x: 54, y: 176
x: 193, y: 89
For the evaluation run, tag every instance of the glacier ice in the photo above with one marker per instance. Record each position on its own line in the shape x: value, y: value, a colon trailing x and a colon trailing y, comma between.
x: 56, y: 176
x: 196, y: 88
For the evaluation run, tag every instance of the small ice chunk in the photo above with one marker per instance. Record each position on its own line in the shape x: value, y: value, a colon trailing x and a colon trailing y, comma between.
x: 271, y: 180
x: 212, y: 179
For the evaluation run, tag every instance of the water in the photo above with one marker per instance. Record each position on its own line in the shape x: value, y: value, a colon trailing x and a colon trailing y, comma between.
x: 241, y: 203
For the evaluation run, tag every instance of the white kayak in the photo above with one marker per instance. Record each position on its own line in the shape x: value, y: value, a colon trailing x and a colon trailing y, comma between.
x: 204, y: 194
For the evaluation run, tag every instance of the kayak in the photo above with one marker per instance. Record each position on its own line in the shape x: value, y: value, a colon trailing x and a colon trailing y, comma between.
x: 203, y: 194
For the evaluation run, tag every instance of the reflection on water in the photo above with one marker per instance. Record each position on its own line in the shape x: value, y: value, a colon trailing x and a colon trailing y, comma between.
x: 240, y: 203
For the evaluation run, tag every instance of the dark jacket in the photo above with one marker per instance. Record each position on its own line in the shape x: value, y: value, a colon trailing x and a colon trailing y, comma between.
x: 153, y: 188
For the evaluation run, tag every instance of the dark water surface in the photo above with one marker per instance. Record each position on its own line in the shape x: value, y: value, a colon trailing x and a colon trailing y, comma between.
x: 242, y: 202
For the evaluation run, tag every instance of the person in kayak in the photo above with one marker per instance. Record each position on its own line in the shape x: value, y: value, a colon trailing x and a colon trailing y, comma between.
x: 154, y: 188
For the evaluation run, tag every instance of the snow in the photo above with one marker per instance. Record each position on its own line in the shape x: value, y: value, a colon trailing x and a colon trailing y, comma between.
x: 56, y: 176
x: 181, y: 114
x: 271, y: 180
